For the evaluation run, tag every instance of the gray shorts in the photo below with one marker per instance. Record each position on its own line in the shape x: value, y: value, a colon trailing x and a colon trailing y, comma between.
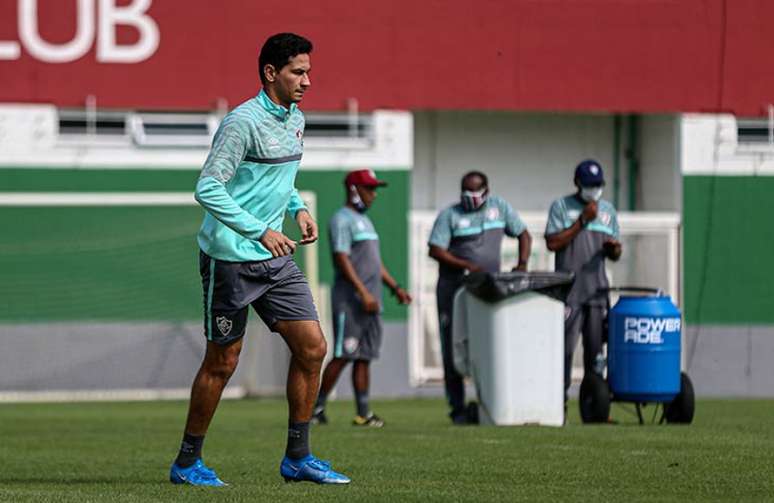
x: 276, y: 288
x: 357, y: 335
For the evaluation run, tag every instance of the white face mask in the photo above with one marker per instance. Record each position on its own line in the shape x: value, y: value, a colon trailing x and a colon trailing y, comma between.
x: 356, y: 201
x: 589, y: 194
x: 473, y: 200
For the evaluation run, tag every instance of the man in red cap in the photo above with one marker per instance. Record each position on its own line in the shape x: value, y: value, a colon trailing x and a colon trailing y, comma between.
x: 357, y: 295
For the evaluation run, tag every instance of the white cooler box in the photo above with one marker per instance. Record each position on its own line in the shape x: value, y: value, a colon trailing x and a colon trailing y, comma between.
x: 513, y: 349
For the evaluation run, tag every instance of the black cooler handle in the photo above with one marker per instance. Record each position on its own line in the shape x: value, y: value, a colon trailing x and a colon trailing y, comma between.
x: 648, y: 289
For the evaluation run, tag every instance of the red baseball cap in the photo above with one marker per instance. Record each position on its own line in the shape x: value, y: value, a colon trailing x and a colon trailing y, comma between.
x: 364, y: 177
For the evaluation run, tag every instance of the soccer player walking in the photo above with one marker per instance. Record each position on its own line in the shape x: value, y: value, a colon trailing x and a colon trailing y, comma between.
x: 247, y: 185
x: 356, y: 296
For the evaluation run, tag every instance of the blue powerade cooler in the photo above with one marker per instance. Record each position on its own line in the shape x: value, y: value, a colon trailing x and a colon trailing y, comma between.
x: 643, y: 348
x: 643, y: 360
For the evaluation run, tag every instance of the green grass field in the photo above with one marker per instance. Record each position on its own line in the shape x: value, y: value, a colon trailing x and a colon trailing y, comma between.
x: 121, y: 452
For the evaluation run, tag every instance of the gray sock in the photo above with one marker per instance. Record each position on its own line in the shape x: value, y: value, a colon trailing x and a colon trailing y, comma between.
x: 361, y: 401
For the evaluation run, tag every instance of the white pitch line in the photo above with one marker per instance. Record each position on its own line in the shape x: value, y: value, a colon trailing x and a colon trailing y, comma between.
x: 118, y: 395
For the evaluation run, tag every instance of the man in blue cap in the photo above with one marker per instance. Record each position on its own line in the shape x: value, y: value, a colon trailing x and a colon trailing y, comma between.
x: 582, y: 231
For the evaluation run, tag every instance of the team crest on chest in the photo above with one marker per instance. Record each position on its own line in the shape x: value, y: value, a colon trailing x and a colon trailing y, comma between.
x: 492, y: 213
x: 604, y: 217
x: 224, y: 325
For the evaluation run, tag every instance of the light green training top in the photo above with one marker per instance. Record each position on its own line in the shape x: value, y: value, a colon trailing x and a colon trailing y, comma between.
x: 247, y: 183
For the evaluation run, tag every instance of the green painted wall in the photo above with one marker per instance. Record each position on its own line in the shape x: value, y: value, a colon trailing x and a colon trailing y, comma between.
x: 96, y: 180
x: 114, y: 263
x: 728, y: 239
x: 140, y: 263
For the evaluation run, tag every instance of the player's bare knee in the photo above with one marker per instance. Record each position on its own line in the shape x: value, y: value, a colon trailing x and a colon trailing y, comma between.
x: 316, y: 353
x: 226, y: 367
x: 230, y: 362
x: 323, y: 347
x: 222, y: 364
x: 313, y: 352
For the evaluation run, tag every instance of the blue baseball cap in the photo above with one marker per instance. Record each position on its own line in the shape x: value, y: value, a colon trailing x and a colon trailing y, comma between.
x: 589, y: 173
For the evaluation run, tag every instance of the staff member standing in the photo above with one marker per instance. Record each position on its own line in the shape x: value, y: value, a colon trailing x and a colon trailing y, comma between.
x: 582, y: 230
x: 356, y: 296
x: 467, y: 237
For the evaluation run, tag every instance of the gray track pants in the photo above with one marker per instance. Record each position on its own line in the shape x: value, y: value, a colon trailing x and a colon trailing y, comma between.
x: 454, y: 384
x: 589, y: 321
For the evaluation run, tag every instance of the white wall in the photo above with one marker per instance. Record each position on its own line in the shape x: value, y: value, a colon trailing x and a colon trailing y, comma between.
x: 660, y: 184
x: 530, y: 157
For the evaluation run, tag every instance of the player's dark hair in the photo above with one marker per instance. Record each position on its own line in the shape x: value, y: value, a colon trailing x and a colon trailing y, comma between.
x: 471, y: 174
x: 279, y: 48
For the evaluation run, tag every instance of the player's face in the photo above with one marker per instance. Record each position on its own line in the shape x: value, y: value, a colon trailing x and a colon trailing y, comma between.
x: 292, y: 81
x: 367, y: 194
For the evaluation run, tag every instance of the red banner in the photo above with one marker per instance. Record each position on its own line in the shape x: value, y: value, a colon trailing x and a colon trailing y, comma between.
x: 630, y: 55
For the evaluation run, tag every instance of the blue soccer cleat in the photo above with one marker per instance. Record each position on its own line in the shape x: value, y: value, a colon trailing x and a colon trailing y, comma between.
x: 198, y: 474
x: 312, y: 469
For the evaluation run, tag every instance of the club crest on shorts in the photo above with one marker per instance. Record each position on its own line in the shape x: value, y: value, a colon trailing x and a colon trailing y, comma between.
x: 224, y: 325
x: 351, y: 344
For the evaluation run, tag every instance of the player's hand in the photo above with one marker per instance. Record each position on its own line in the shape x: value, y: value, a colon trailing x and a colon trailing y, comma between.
x: 370, y: 304
x: 308, y: 227
x: 612, y: 249
x: 589, y: 211
x: 403, y: 296
x: 277, y: 243
x: 473, y: 267
x: 520, y: 268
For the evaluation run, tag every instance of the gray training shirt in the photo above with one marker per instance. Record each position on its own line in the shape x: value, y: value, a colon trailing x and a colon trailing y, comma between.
x: 475, y: 236
x: 353, y: 233
x: 583, y: 255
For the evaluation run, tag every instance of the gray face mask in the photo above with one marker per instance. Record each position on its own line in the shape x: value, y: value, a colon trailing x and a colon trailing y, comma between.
x: 589, y: 194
